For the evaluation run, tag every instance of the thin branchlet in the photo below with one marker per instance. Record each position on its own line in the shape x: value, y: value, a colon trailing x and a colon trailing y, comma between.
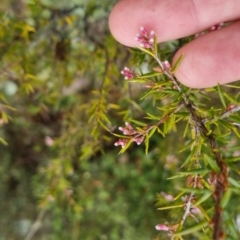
x: 199, y: 125
x: 222, y: 176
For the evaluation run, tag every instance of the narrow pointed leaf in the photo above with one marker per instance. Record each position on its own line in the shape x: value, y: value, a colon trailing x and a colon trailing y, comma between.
x: 222, y: 98
x: 170, y: 207
x: 146, y: 51
x: 176, y: 65
x: 212, y: 163
x: 193, y: 229
x: 2, y: 141
x: 226, y: 197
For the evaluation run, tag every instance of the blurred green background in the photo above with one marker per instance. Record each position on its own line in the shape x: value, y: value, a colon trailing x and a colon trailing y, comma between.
x: 60, y: 91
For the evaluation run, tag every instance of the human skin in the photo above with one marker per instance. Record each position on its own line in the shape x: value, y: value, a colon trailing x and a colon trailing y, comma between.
x: 211, y: 59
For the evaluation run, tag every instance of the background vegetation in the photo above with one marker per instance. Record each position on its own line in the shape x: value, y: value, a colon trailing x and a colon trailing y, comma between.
x: 60, y: 92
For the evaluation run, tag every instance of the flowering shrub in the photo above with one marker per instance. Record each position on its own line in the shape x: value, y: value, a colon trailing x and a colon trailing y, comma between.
x: 207, y: 132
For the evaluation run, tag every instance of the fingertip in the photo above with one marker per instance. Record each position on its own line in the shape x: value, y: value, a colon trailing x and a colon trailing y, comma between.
x: 210, y: 59
x: 117, y: 24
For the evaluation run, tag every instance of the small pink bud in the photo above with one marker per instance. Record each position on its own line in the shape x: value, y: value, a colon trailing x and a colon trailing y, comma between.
x: 230, y: 107
x: 166, y: 65
x: 167, y: 197
x: 195, y: 210
x: 49, y: 141
x: 162, y: 227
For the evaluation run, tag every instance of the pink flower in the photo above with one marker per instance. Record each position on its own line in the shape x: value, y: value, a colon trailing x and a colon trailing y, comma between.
x: 138, y: 140
x: 145, y: 39
x: 128, y: 130
x: 162, y: 227
x: 128, y: 73
x: 121, y: 142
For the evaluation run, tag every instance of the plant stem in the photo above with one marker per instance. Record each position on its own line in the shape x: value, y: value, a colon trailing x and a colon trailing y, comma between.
x: 221, y: 182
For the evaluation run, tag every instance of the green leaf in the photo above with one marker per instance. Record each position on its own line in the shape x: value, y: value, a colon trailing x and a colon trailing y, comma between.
x: 236, y: 131
x: 191, y: 156
x: 203, y: 212
x: 221, y: 95
x: 176, y: 176
x: 126, y: 147
x: 2, y: 141
x: 177, y: 63
x: 2, y: 97
x: 169, y: 124
x: 232, y: 86
x: 186, y: 130
x: 146, y: 144
x: 149, y: 75
x: 235, y: 118
x: 161, y: 132
x: 137, y: 122
x: 225, y: 124
x: 179, y: 195
x: 152, y: 131
x: 152, y: 117
x: 212, y: 163
x: 230, y: 98
x: 171, y: 207
x: 232, y: 159
x: 146, y: 51
x: 234, y: 182
x: 225, y: 198
x: 192, y: 229
x: 171, y: 91
x: 196, y: 171
x: 195, y: 190
x: 203, y: 198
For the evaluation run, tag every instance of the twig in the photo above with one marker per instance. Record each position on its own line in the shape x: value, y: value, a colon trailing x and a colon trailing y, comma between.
x: 35, y: 225
x: 221, y: 177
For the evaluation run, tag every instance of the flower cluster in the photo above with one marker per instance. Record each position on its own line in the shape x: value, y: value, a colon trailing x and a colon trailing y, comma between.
x: 129, y: 131
x: 128, y: 73
x: 145, y: 39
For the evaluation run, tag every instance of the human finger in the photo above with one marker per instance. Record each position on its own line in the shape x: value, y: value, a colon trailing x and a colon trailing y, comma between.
x: 211, y: 59
x: 170, y: 19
